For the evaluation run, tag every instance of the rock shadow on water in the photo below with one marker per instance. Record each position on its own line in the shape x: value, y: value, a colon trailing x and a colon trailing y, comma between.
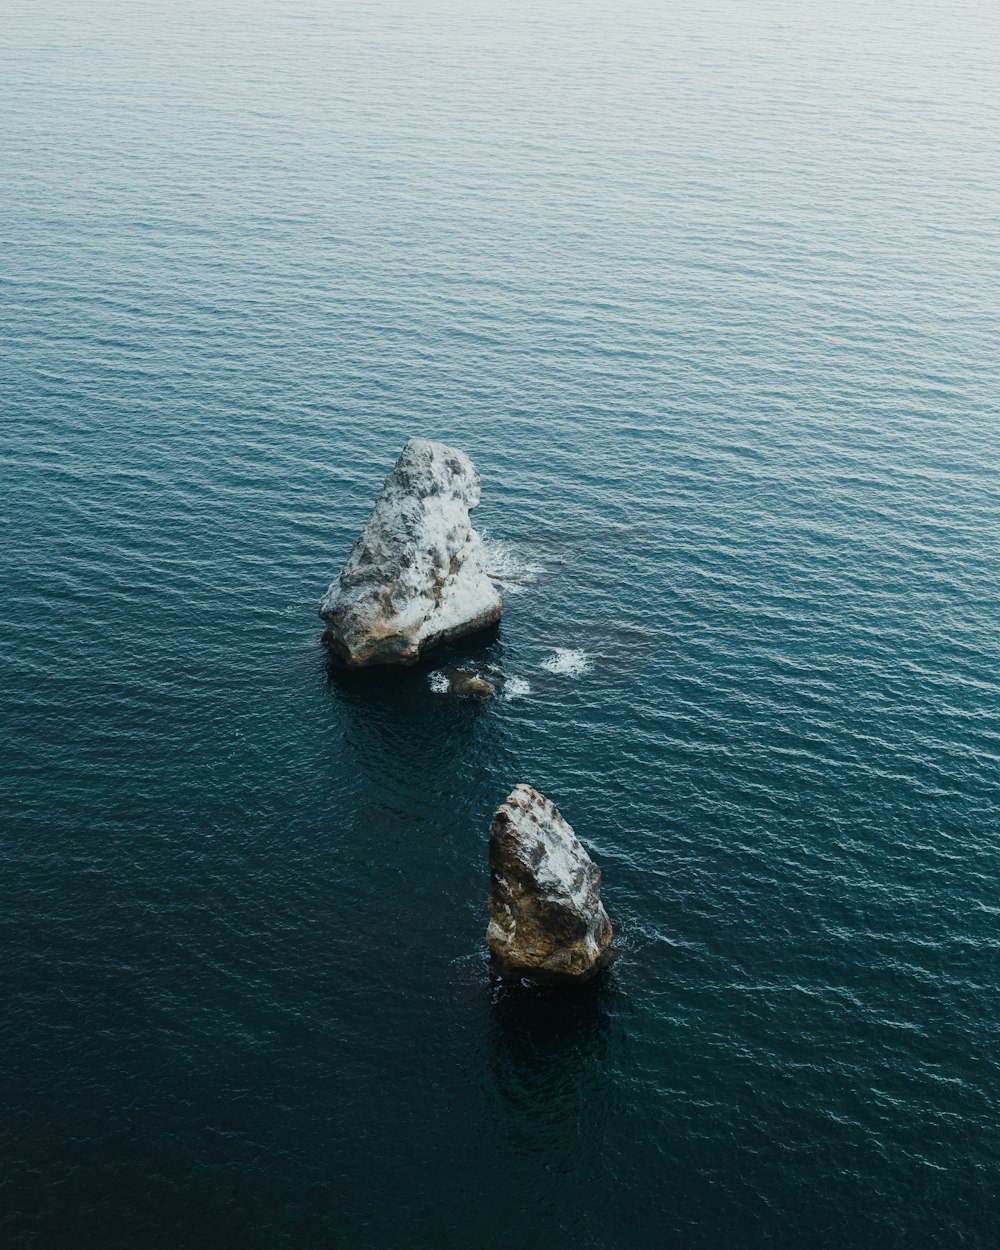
x: 549, y: 1055
x: 397, y: 726
x: 393, y: 683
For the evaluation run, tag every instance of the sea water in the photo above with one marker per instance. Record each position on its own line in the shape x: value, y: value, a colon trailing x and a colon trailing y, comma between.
x: 709, y: 292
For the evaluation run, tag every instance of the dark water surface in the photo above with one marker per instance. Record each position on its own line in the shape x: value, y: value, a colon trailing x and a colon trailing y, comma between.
x: 710, y: 294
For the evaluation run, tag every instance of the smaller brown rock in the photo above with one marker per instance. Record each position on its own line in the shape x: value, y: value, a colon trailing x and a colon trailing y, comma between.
x: 471, y: 684
x: 547, y: 921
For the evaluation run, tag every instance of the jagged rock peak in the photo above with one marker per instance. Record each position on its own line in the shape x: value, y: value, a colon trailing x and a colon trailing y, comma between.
x: 415, y: 576
x: 547, y: 921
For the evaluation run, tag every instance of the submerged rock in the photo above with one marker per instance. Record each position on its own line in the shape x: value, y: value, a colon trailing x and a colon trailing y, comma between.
x: 547, y: 921
x: 415, y: 577
x: 470, y: 684
x: 482, y: 682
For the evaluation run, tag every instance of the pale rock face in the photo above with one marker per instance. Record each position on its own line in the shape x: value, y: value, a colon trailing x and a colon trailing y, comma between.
x: 547, y: 921
x: 416, y: 576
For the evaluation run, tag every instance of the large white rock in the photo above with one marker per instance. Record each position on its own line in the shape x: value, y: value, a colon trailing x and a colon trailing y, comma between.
x: 415, y: 577
x: 547, y: 921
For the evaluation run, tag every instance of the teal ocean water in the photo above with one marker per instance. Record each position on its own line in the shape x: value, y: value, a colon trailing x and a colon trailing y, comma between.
x: 709, y: 292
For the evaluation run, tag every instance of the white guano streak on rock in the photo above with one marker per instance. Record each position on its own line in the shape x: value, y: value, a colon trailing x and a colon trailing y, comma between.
x: 560, y: 868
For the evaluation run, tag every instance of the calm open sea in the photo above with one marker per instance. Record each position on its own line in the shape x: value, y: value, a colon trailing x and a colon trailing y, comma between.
x: 710, y: 292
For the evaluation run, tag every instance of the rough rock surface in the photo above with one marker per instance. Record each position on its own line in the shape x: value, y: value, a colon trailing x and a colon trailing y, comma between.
x: 415, y: 576
x: 547, y: 921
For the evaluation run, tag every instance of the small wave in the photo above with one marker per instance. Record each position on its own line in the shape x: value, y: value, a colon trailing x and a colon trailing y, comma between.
x: 438, y: 682
x: 569, y: 661
x: 505, y: 564
x: 515, y: 688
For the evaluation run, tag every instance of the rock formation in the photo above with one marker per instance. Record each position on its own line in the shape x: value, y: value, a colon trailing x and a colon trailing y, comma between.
x: 547, y: 921
x: 415, y: 577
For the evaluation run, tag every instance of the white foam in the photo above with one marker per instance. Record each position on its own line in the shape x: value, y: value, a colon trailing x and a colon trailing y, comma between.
x: 569, y: 661
x: 515, y: 688
x: 438, y: 682
x: 504, y: 564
